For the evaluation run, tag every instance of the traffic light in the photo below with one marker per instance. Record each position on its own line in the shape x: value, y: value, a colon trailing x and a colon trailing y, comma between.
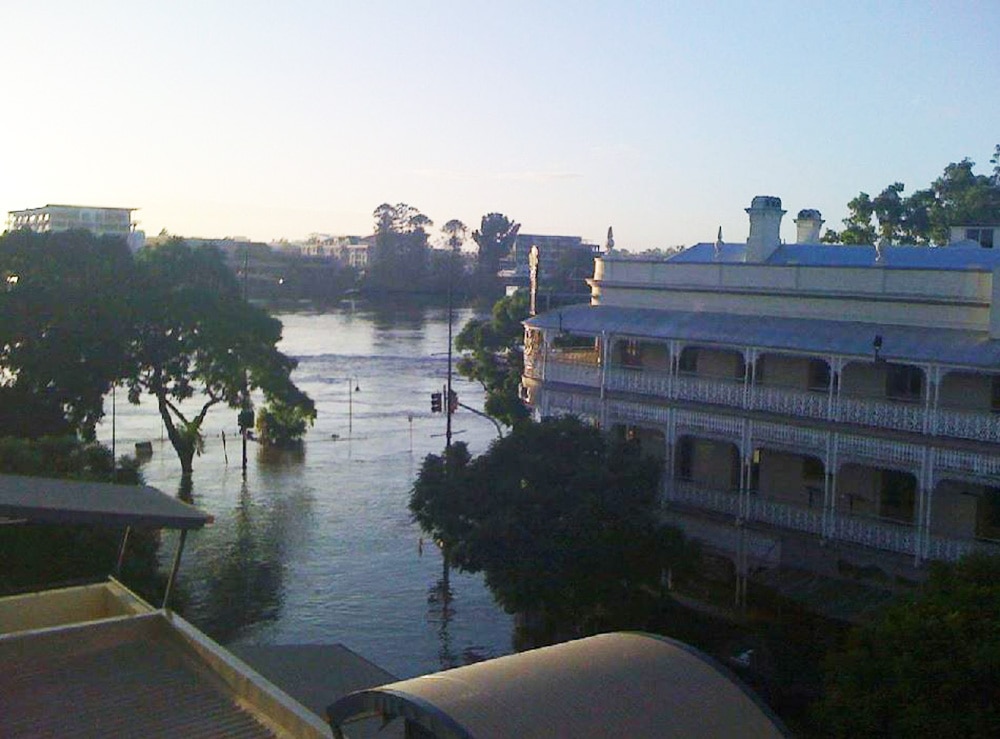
x: 435, y: 402
x: 452, y: 401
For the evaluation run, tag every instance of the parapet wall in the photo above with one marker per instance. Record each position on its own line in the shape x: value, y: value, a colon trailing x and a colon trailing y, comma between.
x: 916, y: 297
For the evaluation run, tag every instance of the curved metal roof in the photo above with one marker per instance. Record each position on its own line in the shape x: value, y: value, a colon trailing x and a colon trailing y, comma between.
x: 619, y: 684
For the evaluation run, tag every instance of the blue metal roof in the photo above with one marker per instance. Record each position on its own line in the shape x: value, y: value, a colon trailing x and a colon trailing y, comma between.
x: 911, y: 344
x: 962, y: 256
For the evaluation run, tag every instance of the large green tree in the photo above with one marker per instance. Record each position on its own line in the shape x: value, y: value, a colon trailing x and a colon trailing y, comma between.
x: 196, y: 339
x: 562, y: 522
x: 928, y: 666
x: 959, y: 197
x: 495, y: 238
x: 65, y: 321
x: 399, y: 257
x: 493, y: 355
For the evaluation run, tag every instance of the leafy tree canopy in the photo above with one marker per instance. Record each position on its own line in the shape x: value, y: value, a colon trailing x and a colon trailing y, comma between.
x: 398, y: 258
x: 561, y: 521
x: 495, y: 238
x: 928, y: 666
x: 494, y: 357
x: 65, y: 304
x: 282, y: 425
x: 196, y: 339
x: 959, y: 197
x: 455, y: 230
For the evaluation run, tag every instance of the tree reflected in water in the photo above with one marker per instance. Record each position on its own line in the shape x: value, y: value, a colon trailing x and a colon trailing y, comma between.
x: 240, y: 583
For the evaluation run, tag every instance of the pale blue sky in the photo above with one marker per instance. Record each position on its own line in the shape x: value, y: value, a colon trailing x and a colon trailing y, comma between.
x: 663, y: 119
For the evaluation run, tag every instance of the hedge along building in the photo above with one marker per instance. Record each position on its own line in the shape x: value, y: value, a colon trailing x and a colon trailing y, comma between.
x: 813, y: 403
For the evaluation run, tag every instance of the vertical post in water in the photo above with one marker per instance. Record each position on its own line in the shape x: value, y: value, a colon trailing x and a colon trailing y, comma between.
x: 246, y: 390
x: 114, y: 434
x: 447, y: 397
x: 447, y: 429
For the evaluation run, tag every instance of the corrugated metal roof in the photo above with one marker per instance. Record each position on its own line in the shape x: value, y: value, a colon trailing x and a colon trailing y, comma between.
x: 611, y: 685
x: 912, y: 344
x: 119, y: 678
x: 953, y: 257
x: 44, y: 500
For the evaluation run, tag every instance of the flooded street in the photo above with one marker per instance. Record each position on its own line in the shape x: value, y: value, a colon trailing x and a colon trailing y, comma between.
x: 317, y: 546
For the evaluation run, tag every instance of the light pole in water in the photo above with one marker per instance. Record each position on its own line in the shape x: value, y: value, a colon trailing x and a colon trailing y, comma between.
x: 246, y: 414
x: 352, y: 387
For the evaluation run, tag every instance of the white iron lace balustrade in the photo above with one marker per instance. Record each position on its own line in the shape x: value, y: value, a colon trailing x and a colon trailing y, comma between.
x: 638, y: 412
x: 790, y: 437
x: 789, y: 402
x: 572, y: 373
x: 694, y: 422
x: 968, y: 425
x: 709, y: 390
x: 643, y: 382
x: 883, y: 451
x: 983, y: 465
x: 785, y: 515
x: 875, y: 533
x: 951, y: 549
x: 880, y: 413
x: 710, y: 499
x: 571, y: 403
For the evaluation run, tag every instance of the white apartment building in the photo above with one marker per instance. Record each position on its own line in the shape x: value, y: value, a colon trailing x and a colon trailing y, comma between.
x: 813, y: 404
x: 99, y: 221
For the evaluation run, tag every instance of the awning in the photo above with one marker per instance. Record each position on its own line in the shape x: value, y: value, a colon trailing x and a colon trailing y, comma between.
x: 45, y: 500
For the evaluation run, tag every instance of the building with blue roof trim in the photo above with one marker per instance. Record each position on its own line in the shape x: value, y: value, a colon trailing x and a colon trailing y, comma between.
x: 816, y: 406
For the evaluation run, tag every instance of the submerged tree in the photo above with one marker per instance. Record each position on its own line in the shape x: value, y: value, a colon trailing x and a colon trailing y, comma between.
x: 562, y: 522
x: 196, y: 339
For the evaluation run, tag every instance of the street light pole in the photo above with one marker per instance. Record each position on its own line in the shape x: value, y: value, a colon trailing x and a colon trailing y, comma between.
x: 447, y: 399
x: 246, y: 389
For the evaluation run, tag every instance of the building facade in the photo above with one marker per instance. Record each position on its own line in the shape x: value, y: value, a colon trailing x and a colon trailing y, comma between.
x: 813, y: 404
x: 99, y: 221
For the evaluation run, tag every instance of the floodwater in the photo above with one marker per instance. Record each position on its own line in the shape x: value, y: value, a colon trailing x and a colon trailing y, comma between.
x: 318, y: 546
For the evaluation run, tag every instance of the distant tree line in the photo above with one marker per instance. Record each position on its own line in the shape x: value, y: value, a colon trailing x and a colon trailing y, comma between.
x: 403, y: 260
x: 959, y: 197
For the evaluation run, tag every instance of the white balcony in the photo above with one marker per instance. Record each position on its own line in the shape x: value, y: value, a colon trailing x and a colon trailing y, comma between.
x: 584, y: 370
x: 968, y: 425
x: 875, y: 533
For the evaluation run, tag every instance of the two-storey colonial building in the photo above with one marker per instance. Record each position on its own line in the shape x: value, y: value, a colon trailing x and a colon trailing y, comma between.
x: 814, y: 404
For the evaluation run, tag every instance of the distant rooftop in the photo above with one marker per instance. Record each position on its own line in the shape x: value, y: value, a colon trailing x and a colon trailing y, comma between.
x: 962, y: 256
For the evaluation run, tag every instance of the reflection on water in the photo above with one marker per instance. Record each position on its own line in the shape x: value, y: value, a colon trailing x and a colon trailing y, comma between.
x: 317, y: 545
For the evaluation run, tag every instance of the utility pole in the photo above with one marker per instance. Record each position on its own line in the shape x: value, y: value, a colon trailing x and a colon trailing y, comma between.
x: 244, y: 429
x: 446, y: 563
x: 447, y: 397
